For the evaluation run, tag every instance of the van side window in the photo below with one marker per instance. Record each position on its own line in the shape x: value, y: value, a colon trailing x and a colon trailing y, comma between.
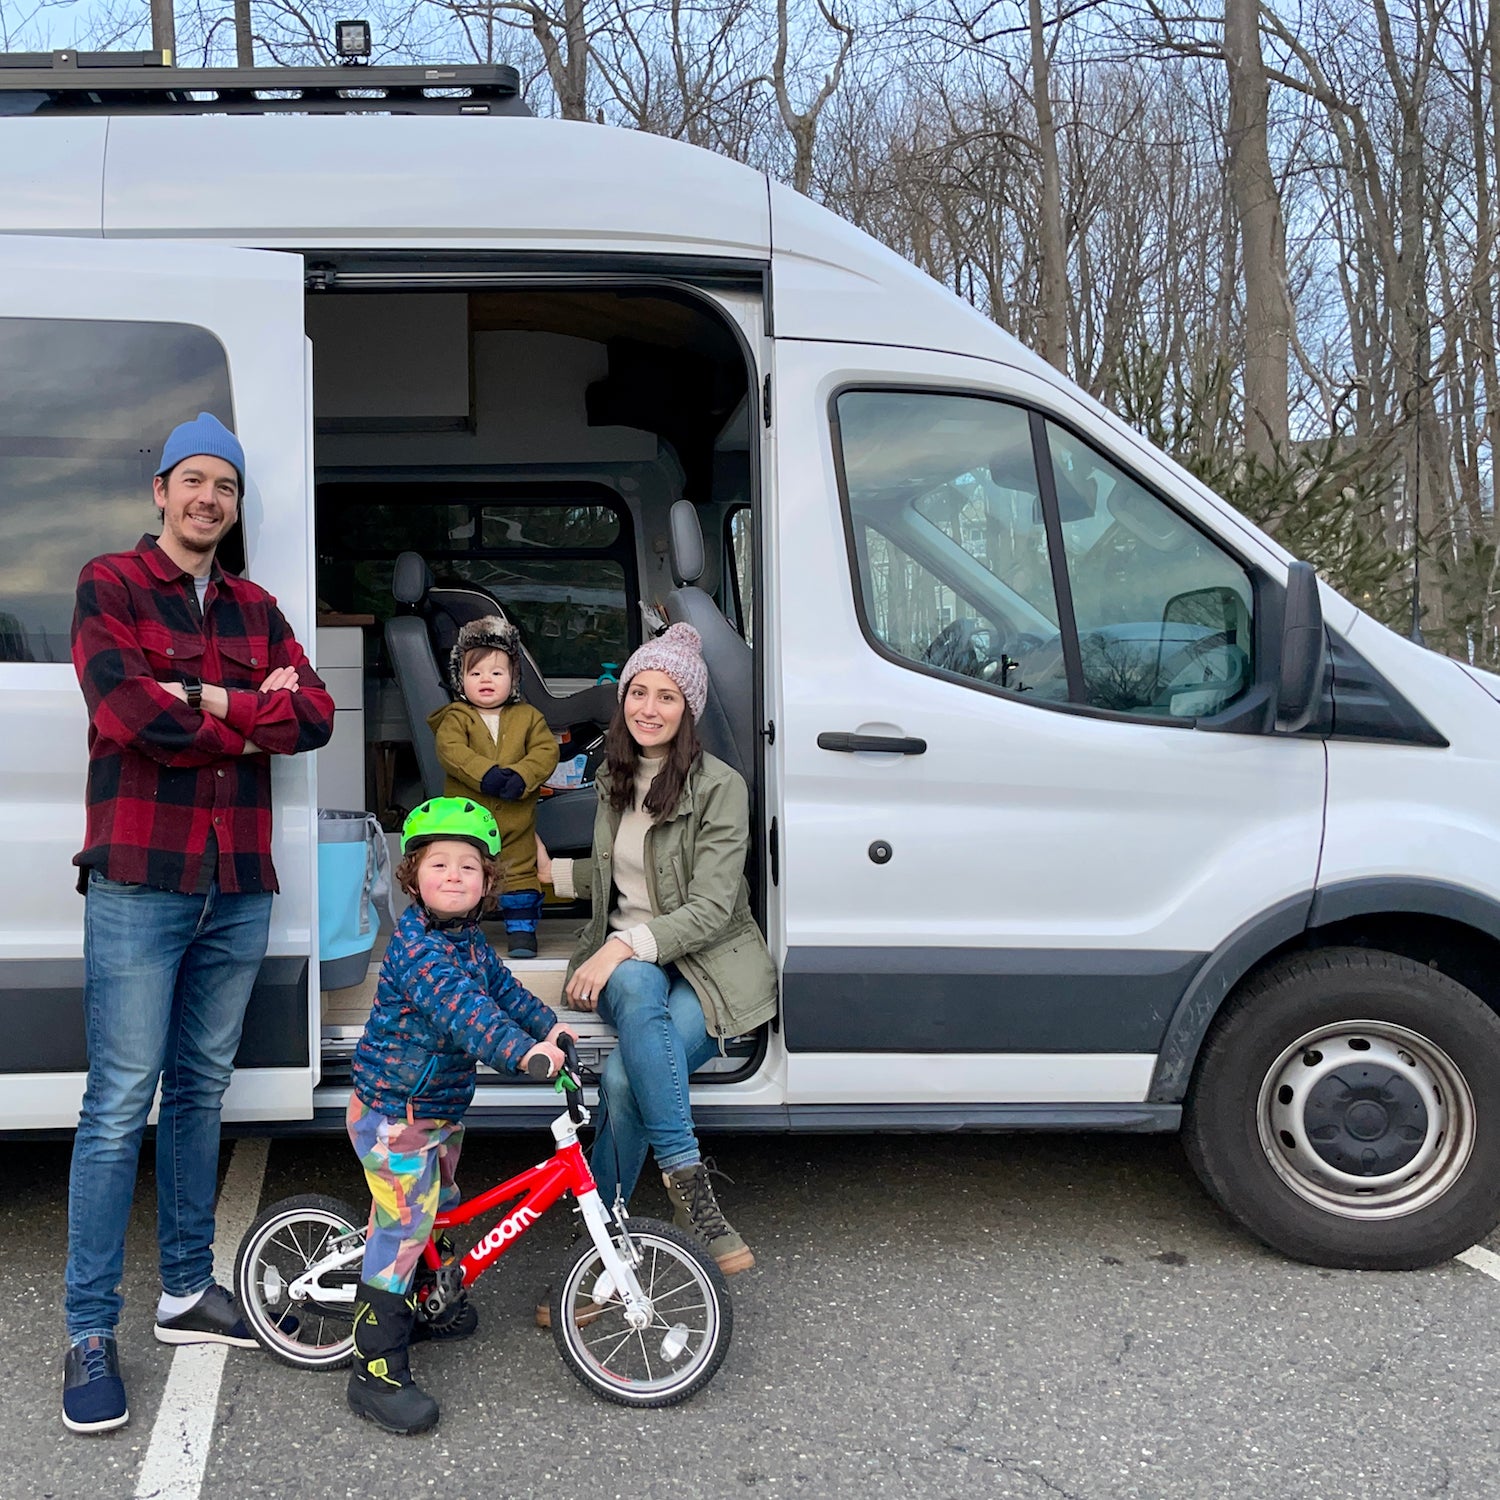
x: 951, y: 548
x: 559, y: 560
x: 1164, y: 615
x: 739, y: 598
x: 84, y: 409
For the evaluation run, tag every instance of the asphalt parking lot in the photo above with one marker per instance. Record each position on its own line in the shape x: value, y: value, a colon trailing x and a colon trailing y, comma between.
x: 931, y: 1316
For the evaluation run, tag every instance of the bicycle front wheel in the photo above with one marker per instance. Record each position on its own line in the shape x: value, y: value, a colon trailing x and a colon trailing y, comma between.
x: 677, y: 1353
x: 283, y: 1244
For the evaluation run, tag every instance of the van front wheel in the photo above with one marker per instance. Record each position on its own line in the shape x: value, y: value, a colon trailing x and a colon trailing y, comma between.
x: 1346, y: 1109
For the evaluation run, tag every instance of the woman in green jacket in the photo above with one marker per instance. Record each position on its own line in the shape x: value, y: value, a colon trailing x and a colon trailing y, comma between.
x: 672, y: 957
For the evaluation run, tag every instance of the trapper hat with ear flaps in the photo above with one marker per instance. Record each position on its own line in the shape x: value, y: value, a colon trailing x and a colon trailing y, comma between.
x: 488, y: 633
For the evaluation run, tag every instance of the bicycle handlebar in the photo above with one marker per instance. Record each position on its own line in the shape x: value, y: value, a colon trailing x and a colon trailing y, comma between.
x: 540, y: 1069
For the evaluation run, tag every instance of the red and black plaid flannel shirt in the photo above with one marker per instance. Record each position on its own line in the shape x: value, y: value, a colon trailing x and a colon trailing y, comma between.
x: 163, y: 776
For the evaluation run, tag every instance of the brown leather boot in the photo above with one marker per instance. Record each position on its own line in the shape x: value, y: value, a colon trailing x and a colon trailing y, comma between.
x: 696, y: 1211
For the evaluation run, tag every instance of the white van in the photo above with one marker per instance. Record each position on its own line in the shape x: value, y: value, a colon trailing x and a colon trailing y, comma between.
x: 1079, y: 804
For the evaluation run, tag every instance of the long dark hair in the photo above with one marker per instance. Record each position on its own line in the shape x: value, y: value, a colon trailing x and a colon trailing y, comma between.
x: 622, y: 756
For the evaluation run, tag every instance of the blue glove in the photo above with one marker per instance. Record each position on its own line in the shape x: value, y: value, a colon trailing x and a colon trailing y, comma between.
x: 502, y: 782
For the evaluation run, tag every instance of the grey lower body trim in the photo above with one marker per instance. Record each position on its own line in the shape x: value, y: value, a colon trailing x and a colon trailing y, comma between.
x: 811, y: 1119
x: 41, y: 1016
x: 1133, y: 1118
x: 981, y: 999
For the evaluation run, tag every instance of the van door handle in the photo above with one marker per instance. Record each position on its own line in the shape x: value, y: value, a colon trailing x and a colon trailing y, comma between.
x: 884, y: 744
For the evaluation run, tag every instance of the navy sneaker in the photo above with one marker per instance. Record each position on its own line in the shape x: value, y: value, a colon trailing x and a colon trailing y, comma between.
x: 93, y: 1393
x: 212, y: 1319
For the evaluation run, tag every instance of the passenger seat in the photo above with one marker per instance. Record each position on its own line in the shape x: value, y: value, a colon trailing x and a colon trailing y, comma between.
x: 728, y: 726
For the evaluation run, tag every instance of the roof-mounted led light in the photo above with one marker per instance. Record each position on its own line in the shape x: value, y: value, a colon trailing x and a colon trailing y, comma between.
x: 352, y: 40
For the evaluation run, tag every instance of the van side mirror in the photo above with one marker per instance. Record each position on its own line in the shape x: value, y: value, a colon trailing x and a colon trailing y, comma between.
x: 1304, y: 650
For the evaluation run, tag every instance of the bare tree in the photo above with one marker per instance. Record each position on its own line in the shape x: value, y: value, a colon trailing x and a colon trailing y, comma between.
x: 802, y: 123
x: 244, y: 36
x: 1052, y: 320
x: 685, y: 70
x: 1257, y: 206
x: 562, y: 30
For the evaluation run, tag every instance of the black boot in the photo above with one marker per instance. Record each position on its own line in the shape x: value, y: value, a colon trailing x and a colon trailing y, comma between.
x: 380, y: 1385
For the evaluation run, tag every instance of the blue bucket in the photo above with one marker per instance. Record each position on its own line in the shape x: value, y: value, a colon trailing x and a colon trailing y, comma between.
x: 353, y: 876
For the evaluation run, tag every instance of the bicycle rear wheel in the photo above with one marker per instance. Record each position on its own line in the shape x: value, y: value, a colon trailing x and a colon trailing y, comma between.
x: 284, y: 1243
x: 672, y: 1358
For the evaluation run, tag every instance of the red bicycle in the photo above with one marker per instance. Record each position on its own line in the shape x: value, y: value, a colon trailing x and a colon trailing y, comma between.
x: 641, y: 1315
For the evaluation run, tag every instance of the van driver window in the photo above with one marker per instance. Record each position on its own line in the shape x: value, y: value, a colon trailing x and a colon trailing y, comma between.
x: 949, y: 539
x: 954, y: 573
x: 1164, y: 616
x: 84, y: 409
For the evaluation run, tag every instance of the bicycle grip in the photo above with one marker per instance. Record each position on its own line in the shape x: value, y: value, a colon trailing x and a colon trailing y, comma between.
x: 539, y: 1068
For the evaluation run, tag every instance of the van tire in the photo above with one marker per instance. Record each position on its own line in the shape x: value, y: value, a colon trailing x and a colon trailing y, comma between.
x: 1345, y: 1109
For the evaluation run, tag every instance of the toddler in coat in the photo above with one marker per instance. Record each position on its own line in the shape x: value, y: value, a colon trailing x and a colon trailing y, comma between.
x: 498, y: 750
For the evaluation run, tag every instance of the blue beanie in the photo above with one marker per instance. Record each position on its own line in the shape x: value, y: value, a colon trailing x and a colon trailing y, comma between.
x: 204, y: 434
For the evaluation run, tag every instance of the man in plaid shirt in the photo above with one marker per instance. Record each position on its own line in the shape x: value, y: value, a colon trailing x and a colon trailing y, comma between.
x: 193, y: 680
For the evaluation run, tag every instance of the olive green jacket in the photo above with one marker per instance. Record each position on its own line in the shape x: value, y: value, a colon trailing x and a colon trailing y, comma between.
x: 695, y: 874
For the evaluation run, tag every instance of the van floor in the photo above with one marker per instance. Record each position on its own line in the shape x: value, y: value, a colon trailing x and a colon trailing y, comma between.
x: 345, y: 1011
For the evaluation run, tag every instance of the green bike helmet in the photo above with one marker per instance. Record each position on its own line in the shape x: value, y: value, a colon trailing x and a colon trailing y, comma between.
x: 451, y: 818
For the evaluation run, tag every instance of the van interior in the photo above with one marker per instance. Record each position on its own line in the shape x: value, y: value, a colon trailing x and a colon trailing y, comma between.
x: 553, y: 454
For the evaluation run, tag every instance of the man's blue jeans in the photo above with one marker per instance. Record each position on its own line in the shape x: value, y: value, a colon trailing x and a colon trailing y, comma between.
x: 643, y: 1090
x: 166, y: 981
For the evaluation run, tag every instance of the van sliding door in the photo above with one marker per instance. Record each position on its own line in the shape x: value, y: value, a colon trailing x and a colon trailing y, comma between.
x: 104, y: 347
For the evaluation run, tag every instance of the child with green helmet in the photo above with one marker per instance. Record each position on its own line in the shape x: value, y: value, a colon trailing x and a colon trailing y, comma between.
x: 444, y: 1002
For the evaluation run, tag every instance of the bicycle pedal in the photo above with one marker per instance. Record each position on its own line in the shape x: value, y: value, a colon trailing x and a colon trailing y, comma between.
x: 446, y: 1288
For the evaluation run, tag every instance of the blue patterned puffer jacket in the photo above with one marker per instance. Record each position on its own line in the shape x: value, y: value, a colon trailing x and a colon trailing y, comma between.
x: 443, y: 1000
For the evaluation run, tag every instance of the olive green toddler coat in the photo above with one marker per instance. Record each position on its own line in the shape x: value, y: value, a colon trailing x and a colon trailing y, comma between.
x: 467, y: 750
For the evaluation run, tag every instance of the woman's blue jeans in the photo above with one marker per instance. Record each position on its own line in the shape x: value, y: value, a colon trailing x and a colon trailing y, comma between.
x: 643, y: 1091
x: 167, y: 978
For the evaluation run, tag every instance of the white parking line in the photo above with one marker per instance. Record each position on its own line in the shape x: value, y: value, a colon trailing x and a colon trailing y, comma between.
x: 184, y: 1430
x: 1482, y: 1260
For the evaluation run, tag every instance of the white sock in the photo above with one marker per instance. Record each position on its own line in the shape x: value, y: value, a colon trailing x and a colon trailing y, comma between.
x: 172, y: 1307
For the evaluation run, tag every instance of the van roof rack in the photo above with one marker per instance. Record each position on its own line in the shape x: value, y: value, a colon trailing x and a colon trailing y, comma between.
x: 145, y: 83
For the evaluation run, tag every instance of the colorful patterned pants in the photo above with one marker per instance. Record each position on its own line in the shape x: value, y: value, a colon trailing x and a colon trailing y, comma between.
x: 409, y: 1166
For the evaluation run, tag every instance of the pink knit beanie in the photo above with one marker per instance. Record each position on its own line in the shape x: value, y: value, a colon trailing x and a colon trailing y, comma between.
x: 677, y: 651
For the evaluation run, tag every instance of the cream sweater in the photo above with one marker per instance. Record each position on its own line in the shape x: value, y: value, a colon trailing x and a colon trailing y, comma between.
x: 632, y: 913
